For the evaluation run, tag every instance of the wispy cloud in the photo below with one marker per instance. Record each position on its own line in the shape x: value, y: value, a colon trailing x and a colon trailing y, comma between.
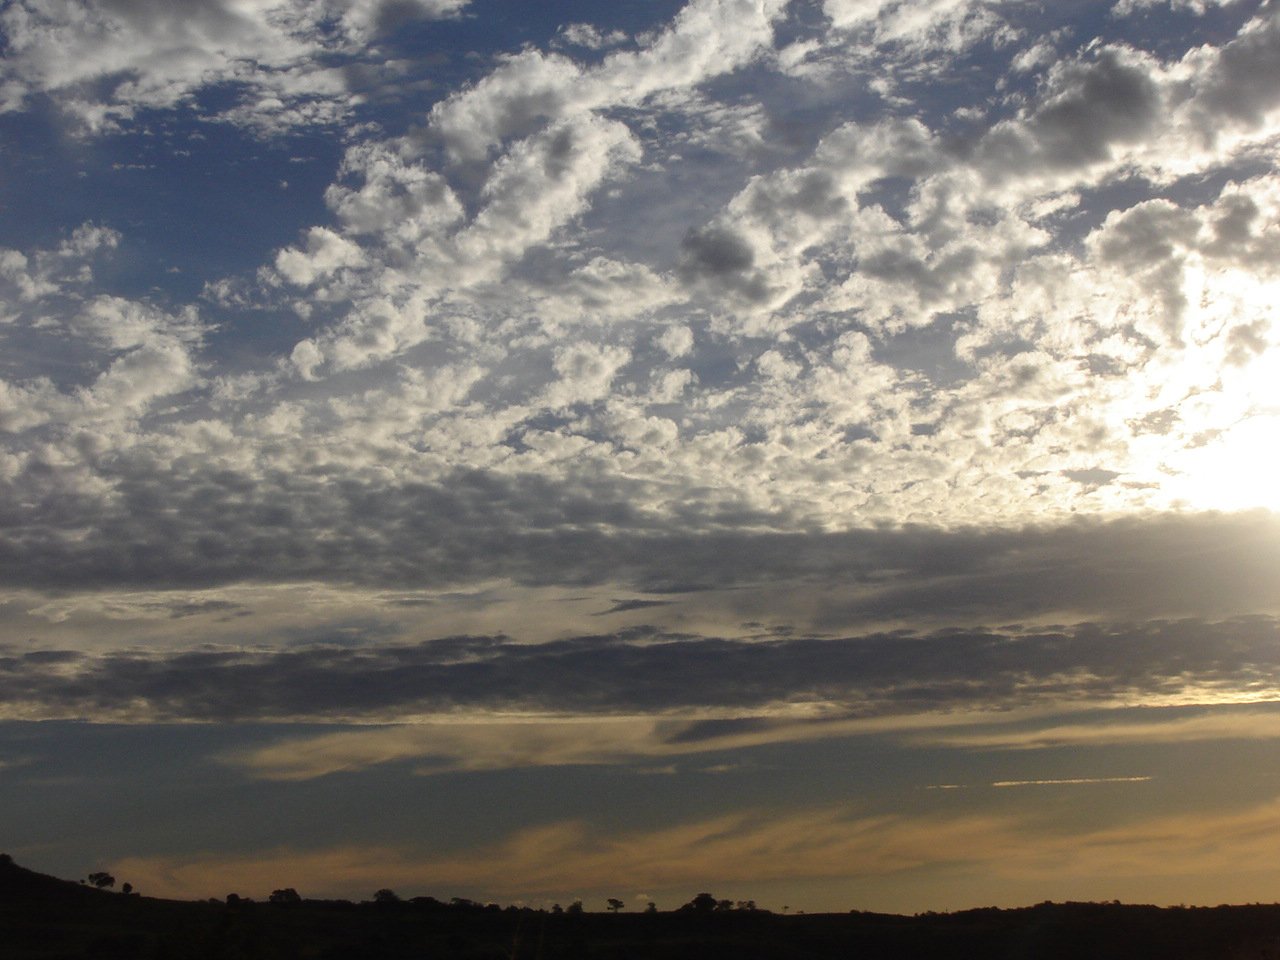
x: 1234, y: 725
x: 1050, y: 782
x: 1068, y: 781
x: 750, y: 846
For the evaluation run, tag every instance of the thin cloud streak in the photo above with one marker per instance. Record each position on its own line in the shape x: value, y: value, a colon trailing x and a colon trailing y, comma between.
x: 1236, y: 725
x: 1069, y: 781
x: 751, y: 847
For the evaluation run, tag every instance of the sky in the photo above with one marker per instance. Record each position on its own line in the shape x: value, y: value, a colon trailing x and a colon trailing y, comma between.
x: 820, y: 452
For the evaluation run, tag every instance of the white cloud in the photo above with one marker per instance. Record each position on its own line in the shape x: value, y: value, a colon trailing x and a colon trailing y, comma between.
x: 708, y: 38
x: 591, y: 37
x: 1124, y: 8
x: 28, y: 277
x: 398, y: 199
x: 130, y: 353
x: 882, y: 321
x: 585, y: 372
x: 676, y: 341
x: 542, y: 183
x: 106, y: 59
x: 324, y: 253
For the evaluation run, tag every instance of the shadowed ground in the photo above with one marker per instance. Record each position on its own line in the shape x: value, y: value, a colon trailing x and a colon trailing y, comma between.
x: 46, y: 918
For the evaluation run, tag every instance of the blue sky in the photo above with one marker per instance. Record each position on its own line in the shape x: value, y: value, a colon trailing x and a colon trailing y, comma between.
x: 819, y: 452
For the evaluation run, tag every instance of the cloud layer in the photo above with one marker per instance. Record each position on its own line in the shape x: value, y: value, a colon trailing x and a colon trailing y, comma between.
x: 644, y: 672
x: 503, y: 390
x: 896, y: 320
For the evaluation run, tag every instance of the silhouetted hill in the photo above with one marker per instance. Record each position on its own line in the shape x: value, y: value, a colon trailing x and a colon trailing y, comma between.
x: 44, y: 918
x: 20, y: 885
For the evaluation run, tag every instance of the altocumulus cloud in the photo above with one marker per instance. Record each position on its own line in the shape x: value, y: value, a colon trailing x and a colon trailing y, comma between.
x: 653, y: 381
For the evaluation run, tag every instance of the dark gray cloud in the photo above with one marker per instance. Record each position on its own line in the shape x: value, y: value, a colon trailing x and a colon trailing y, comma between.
x: 642, y: 669
x: 716, y: 252
x: 1245, y: 83
x: 1095, y: 105
x: 1086, y: 109
x: 198, y: 608
x: 220, y: 528
x: 723, y: 259
x: 625, y: 606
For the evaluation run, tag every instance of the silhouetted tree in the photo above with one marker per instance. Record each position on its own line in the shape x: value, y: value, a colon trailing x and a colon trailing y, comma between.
x: 651, y: 908
x: 556, y: 908
x: 575, y: 908
x: 101, y: 879
x: 126, y: 888
x: 286, y: 896
x: 615, y: 904
x: 385, y: 896
x: 724, y: 906
x: 702, y: 903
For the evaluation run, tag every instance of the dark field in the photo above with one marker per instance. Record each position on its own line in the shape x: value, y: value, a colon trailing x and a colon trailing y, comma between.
x: 43, y: 918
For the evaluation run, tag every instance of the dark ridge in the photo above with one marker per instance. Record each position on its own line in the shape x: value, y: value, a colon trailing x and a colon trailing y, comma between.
x: 44, y: 918
x: 20, y: 885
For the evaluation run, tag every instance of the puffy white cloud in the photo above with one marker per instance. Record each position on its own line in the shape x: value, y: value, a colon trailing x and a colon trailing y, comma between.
x: 121, y: 324
x: 887, y: 41
x: 365, y: 19
x: 676, y: 341
x: 1127, y: 7
x: 949, y: 24
x: 586, y: 35
x: 684, y: 397
x: 539, y: 185
x: 128, y: 353
x: 888, y: 322
x: 138, y: 378
x: 106, y: 59
x: 324, y: 253
x: 29, y: 277
x: 585, y: 372
x: 708, y: 38
x: 397, y: 199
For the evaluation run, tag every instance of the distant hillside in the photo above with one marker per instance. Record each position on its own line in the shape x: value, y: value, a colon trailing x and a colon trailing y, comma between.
x: 19, y: 885
x: 44, y: 918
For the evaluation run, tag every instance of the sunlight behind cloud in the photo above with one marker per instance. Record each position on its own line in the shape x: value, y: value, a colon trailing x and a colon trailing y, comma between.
x: 1236, y: 470
x: 616, y: 385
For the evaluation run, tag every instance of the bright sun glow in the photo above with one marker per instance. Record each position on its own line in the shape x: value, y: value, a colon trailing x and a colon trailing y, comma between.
x: 1236, y: 471
x: 1230, y: 430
